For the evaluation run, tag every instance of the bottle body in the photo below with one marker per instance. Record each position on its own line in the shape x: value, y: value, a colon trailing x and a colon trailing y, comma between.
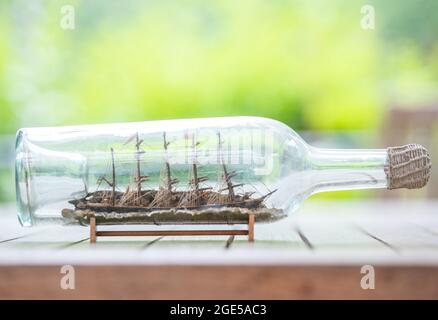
x: 212, y: 170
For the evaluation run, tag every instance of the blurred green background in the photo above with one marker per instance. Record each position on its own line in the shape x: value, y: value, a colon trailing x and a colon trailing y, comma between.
x: 309, y: 64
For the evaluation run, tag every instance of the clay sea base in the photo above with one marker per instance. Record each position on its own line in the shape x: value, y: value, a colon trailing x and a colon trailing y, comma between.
x: 175, y: 216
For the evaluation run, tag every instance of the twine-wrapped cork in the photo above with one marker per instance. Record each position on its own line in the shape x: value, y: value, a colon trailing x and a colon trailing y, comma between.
x: 408, y: 167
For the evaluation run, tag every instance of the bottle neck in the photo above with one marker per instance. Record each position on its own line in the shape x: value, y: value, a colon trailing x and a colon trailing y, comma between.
x: 346, y: 169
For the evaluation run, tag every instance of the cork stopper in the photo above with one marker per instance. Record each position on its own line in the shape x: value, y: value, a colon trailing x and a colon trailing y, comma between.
x: 408, y: 167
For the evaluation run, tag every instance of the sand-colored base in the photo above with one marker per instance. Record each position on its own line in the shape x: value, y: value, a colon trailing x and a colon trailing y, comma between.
x: 175, y: 216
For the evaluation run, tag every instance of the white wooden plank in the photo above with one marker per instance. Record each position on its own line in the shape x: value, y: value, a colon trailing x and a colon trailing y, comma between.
x: 339, y: 233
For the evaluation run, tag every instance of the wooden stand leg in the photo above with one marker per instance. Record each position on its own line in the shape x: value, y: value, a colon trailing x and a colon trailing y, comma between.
x: 123, y: 233
x: 92, y: 230
x: 251, y: 220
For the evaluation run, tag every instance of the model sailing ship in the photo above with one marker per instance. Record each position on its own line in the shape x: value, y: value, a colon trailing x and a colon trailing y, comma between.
x: 197, y: 205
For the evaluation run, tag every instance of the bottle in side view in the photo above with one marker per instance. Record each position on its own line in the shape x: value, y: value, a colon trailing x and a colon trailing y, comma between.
x: 196, y: 171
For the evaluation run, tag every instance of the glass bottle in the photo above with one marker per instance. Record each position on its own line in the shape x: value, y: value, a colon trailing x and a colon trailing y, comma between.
x: 214, y: 170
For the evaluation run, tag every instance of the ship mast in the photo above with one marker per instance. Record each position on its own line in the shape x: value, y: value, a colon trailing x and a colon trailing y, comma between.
x: 169, y: 181
x: 227, y: 176
x: 195, y: 171
x: 138, y: 178
x: 113, y: 183
x: 196, y: 179
x: 194, y: 195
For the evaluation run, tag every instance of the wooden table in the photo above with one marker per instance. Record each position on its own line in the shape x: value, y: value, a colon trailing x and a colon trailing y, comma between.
x: 317, y: 253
